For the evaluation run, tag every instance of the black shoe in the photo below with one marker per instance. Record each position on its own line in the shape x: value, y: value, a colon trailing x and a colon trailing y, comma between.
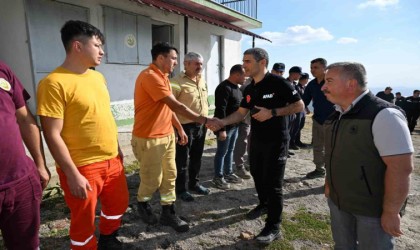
x: 302, y: 145
x: 291, y: 153
x: 200, y: 190
x: 185, y: 196
x: 146, y: 213
x: 256, y: 212
x: 169, y: 218
x: 315, y: 174
x: 109, y: 242
x: 294, y: 147
x: 268, y: 235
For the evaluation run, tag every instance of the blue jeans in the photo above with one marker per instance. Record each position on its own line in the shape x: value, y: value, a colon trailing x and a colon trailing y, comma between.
x: 352, y: 231
x: 224, y: 153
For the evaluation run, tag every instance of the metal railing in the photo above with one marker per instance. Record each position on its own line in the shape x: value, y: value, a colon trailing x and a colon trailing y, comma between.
x: 246, y: 7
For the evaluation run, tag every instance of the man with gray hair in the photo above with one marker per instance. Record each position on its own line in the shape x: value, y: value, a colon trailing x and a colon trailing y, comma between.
x: 190, y: 88
x: 367, y: 178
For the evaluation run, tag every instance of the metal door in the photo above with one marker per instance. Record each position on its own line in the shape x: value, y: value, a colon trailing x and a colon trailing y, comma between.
x: 45, y: 19
x: 214, y: 67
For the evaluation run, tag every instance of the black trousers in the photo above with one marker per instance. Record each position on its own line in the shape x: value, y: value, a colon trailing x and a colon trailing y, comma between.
x: 194, y: 150
x: 267, y: 164
x: 412, y: 117
x: 296, y: 127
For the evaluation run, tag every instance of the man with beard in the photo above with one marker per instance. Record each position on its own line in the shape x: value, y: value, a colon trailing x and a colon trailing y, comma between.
x: 270, y: 99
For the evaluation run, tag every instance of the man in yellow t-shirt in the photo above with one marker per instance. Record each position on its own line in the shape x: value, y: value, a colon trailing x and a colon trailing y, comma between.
x: 74, y: 106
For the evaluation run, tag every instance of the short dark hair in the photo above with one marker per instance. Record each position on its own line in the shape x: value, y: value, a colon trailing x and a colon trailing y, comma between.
x: 258, y: 54
x: 236, y: 69
x: 75, y: 29
x: 162, y: 48
x: 398, y: 93
x: 320, y: 60
x: 416, y: 91
x: 351, y: 70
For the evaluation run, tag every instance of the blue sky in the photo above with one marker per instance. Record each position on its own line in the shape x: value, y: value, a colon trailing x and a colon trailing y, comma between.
x: 383, y: 35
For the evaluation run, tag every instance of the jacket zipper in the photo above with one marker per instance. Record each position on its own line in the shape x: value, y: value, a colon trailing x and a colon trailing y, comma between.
x: 366, y: 180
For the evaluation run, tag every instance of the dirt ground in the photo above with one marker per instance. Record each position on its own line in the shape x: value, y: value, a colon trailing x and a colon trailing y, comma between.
x: 218, y: 219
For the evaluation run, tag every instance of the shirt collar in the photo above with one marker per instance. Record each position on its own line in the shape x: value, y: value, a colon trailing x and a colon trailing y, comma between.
x: 184, y: 75
x: 157, y: 70
x: 342, y: 112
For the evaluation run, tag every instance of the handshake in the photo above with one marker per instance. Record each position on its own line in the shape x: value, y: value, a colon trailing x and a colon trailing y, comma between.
x: 214, y: 124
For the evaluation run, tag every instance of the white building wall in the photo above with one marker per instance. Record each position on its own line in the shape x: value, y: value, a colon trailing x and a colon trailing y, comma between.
x: 15, y: 48
x: 14, y: 44
x: 199, y: 41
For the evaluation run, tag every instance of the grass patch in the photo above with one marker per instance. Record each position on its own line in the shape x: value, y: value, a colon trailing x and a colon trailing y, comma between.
x: 59, y: 232
x: 209, y: 142
x: 52, y: 191
x: 281, y: 244
x: 51, y: 197
x: 125, y: 122
x: 304, y: 226
x: 132, y: 168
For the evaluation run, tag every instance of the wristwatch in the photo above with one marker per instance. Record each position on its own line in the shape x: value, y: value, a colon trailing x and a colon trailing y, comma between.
x: 273, y: 112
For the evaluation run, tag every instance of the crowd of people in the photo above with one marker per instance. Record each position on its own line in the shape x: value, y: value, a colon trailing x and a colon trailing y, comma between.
x: 257, y: 111
x: 410, y: 104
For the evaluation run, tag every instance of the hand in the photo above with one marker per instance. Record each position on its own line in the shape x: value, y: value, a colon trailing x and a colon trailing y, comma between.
x: 44, y: 175
x: 391, y: 223
x: 263, y: 115
x: 121, y: 155
x: 326, y: 190
x: 182, y: 138
x: 222, y: 135
x: 214, y: 124
x: 78, y: 185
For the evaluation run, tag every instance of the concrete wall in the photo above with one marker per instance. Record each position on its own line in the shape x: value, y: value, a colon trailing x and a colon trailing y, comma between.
x: 15, y: 51
x: 199, y: 37
x: 14, y: 44
x: 15, y: 48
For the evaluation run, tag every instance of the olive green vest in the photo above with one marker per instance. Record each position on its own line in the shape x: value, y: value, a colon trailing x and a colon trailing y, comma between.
x: 355, y: 170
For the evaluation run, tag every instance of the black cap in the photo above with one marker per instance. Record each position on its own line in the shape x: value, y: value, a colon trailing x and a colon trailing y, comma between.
x: 280, y: 67
x: 295, y: 69
x: 304, y: 76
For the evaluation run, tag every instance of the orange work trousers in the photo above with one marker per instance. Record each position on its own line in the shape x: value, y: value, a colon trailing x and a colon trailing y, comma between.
x: 109, y: 184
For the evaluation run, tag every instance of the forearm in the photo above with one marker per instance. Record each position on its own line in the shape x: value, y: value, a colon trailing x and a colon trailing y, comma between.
x: 220, y: 113
x: 61, y: 154
x: 396, y: 192
x: 235, y: 117
x: 32, y: 138
x: 397, y: 182
x: 290, y: 109
x: 176, y: 123
x: 181, y: 109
